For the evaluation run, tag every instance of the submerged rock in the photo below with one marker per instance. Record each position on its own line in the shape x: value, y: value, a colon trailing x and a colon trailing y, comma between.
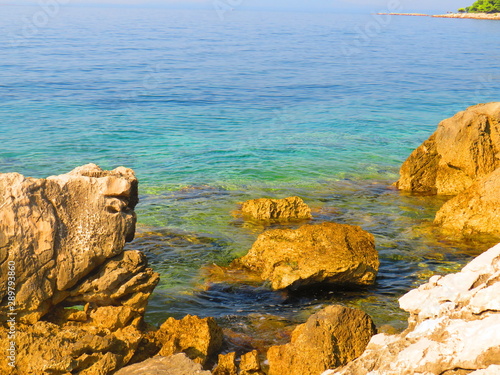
x: 177, y: 364
x: 291, y: 208
x: 454, y: 325
x: 197, y: 338
x: 475, y: 210
x: 313, y: 254
x: 463, y: 149
x: 330, y: 338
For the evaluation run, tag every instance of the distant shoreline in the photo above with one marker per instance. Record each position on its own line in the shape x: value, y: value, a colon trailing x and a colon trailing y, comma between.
x: 475, y: 16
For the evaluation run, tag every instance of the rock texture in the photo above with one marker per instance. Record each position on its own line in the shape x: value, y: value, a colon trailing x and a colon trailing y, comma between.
x: 454, y: 327
x: 177, y: 364
x: 462, y: 150
x: 291, y: 208
x: 62, y: 239
x: 249, y: 364
x: 312, y: 254
x: 198, y: 338
x: 330, y: 338
x: 475, y: 210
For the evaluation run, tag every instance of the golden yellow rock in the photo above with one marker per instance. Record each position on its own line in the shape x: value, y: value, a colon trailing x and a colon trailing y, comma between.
x: 291, y: 208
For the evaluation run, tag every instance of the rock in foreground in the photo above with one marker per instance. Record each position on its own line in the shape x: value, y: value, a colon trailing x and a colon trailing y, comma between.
x: 462, y: 150
x: 313, y: 254
x: 177, y: 364
x: 330, y: 338
x: 292, y: 208
x: 454, y: 325
x: 198, y: 338
x: 476, y: 210
x: 62, y: 239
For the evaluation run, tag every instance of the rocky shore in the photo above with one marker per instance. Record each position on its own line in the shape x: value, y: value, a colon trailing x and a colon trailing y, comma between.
x: 474, y: 16
x: 73, y: 300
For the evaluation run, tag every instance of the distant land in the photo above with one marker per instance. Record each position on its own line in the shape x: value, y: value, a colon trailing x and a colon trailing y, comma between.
x: 476, y: 16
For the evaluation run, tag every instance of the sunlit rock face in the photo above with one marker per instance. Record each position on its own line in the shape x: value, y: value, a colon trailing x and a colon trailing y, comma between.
x: 463, y: 149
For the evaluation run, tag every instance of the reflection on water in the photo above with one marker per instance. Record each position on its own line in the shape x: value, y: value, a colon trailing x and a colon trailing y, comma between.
x: 190, y: 234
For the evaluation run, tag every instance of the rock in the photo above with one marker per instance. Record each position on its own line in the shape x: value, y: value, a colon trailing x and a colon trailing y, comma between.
x: 45, y: 347
x: 330, y: 338
x: 475, y: 210
x: 312, y: 254
x: 454, y: 325
x: 61, y: 246
x: 291, y: 208
x: 226, y: 365
x: 59, y: 230
x: 198, y: 338
x: 463, y: 149
x: 249, y: 364
x: 177, y: 364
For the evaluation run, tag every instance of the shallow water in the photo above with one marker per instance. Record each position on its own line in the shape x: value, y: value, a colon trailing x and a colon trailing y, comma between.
x: 212, y: 112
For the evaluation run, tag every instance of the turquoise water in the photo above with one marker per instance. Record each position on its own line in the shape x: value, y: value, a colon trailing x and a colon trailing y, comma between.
x: 210, y: 112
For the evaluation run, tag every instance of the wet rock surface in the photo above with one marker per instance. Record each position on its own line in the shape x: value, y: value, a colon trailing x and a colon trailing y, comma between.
x: 291, y: 208
x: 313, y: 254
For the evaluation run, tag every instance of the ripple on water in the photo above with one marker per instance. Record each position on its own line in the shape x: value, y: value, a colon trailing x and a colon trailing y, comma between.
x: 411, y: 250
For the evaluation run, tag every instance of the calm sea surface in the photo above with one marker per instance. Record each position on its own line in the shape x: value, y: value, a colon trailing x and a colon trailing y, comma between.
x: 212, y: 111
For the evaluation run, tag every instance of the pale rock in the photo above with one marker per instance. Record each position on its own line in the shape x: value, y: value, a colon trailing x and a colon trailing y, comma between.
x: 454, y: 325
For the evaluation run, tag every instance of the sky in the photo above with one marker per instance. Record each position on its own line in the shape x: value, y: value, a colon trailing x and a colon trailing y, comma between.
x: 430, y: 6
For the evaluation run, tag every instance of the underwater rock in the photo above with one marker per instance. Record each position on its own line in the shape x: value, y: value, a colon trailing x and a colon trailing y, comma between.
x: 475, y: 210
x: 330, y: 338
x: 291, y: 208
x: 177, y: 364
x: 313, y: 254
x: 197, y: 338
x: 463, y: 149
x: 454, y: 324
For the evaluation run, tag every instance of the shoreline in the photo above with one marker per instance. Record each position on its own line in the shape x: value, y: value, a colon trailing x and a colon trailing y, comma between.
x: 475, y: 16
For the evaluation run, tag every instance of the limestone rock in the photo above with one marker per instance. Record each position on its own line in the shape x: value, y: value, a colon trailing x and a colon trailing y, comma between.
x: 47, y: 348
x: 454, y: 324
x: 249, y: 364
x: 475, y: 210
x: 330, y: 338
x: 291, y: 208
x: 198, y: 338
x: 463, y: 149
x: 312, y: 254
x: 177, y: 364
x: 226, y: 365
x: 58, y: 230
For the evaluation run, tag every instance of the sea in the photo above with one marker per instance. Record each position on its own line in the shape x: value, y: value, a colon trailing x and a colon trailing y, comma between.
x: 217, y: 106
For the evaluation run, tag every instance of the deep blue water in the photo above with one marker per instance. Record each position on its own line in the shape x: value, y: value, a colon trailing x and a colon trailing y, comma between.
x: 210, y: 112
